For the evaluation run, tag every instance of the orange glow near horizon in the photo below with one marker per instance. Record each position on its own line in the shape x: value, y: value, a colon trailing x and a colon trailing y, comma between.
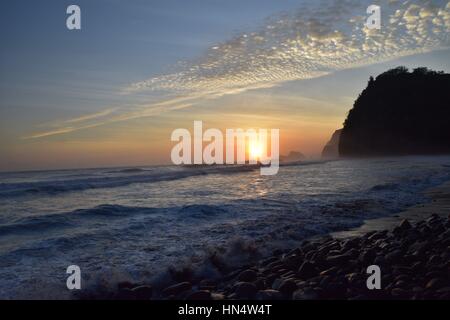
x: 146, y: 141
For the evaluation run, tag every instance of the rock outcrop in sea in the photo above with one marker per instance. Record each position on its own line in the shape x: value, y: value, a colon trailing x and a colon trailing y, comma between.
x: 293, y: 156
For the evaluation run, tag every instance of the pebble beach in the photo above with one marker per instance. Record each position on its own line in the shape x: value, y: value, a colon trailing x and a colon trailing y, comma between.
x: 412, y: 250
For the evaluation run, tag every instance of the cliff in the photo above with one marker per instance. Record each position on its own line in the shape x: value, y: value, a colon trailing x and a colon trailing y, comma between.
x: 331, y: 149
x: 400, y: 113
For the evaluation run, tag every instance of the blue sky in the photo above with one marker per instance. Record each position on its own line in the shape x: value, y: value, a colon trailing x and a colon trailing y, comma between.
x: 139, y: 69
x: 64, y: 73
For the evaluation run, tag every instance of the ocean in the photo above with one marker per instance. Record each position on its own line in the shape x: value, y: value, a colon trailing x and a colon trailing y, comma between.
x: 121, y: 224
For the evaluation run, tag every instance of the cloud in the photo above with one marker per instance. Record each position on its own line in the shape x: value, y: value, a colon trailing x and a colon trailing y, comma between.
x: 91, y: 116
x: 316, y: 40
x: 310, y: 43
x: 61, y: 131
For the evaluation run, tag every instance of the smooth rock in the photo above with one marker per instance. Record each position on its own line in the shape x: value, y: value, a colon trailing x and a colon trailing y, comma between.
x: 435, y: 284
x: 125, y: 285
x: 277, y: 283
x: 199, y: 295
x: 399, y: 293
x: 260, y: 283
x: 307, y: 270
x: 217, y: 296
x: 269, y: 294
x: 393, y: 256
x: 288, y: 287
x: 305, y: 294
x: 405, y: 225
x: 177, y: 288
x: 247, y: 276
x: 143, y: 292
x: 330, y: 271
x: 126, y: 294
x: 245, y: 290
x: 338, y: 259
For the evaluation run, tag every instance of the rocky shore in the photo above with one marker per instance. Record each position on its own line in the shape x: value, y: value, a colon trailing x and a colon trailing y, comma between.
x: 411, y: 248
x: 414, y: 260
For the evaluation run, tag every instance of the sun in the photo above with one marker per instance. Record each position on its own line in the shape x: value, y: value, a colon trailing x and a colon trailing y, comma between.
x: 255, y: 150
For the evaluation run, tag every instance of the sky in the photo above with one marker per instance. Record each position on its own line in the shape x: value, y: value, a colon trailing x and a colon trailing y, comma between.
x: 111, y: 93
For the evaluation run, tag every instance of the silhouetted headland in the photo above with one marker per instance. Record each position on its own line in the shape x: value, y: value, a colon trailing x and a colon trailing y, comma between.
x: 400, y: 113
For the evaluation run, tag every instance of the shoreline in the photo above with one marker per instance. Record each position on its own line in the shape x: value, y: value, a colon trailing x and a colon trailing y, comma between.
x: 439, y: 204
x: 412, y: 249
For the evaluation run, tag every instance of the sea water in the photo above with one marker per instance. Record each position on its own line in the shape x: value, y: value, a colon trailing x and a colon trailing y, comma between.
x: 134, y: 223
